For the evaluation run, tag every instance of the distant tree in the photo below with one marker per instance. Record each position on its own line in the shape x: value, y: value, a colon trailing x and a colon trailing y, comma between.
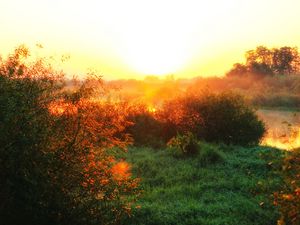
x: 263, y: 61
x: 261, y: 55
x: 259, y: 61
x: 286, y: 60
x: 238, y: 70
x: 260, y: 69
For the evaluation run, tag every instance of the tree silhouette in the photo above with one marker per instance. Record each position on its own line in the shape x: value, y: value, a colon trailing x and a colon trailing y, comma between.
x: 286, y: 60
x: 263, y: 61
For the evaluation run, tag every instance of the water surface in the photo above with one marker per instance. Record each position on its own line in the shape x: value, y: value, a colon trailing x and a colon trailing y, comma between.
x: 283, y: 128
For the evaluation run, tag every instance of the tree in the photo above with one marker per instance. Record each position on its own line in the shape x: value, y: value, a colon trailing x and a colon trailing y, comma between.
x: 260, y: 69
x: 238, y: 70
x: 259, y: 61
x: 223, y: 117
x: 56, y: 158
x: 263, y: 61
x: 260, y: 55
x: 286, y: 60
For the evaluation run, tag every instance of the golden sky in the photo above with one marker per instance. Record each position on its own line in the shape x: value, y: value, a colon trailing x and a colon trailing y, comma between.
x: 134, y: 38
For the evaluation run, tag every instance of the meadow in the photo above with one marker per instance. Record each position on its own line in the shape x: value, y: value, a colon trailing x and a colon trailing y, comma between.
x: 242, y: 187
x: 221, y: 184
x: 233, y: 189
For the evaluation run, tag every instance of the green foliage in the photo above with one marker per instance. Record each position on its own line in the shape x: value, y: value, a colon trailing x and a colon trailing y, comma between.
x: 145, y: 129
x: 185, y: 145
x: 55, y: 162
x: 183, y: 192
x: 228, y: 119
x: 223, y: 117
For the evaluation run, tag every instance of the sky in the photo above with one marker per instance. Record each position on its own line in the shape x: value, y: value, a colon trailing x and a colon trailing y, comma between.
x: 124, y: 39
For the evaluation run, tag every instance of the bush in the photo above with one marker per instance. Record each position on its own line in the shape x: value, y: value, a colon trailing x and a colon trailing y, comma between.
x: 288, y: 199
x: 178, y: 119
x: 145, y: 129
x: 185, y: 145
x: 223, y: 117
x: 55, y: 163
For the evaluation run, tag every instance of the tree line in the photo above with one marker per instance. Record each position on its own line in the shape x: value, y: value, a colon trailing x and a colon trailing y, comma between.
x: 265, y: 61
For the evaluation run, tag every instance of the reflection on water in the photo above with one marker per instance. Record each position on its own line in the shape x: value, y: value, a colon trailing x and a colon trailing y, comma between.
x: 283, y: 128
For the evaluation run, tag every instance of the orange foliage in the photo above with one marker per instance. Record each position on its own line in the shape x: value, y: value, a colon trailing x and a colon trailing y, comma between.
x: 66, y: 139
x: 121, y: 170
x: 62, y: 107
x: 288, y: 199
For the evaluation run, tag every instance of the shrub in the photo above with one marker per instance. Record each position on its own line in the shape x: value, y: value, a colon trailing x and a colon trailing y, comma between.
x: 288, y: 199
x: 145, y: 129
x: 55, y: 163
x: 185, y: 145
x: 223, y: 117
x: 177, y: 118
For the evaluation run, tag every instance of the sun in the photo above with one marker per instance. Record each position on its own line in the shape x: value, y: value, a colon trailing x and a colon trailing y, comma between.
x: 156, y: 55
x: 153, y: 42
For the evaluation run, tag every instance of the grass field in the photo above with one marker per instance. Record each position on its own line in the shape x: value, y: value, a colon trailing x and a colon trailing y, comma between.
x: 234, y: 188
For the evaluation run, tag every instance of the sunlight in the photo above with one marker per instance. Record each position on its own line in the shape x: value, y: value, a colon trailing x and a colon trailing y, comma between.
x: 135, y: 38
x: 153, y: 54
x: 61, y: 107
x: 158, y: 37
x: 151, y: 109
x: 288, y: 141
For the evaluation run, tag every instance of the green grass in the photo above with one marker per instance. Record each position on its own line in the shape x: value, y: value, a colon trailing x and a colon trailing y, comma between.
x: 234, y: 190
